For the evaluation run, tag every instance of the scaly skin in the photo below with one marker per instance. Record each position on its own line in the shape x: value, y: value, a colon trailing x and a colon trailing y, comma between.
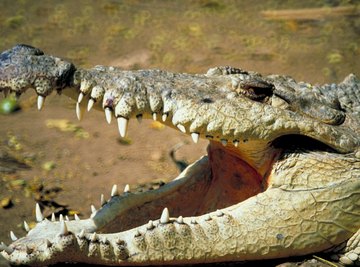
x: 282, y: 175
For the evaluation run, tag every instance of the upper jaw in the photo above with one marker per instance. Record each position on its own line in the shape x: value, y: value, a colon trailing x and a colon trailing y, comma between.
x: 206, y: 106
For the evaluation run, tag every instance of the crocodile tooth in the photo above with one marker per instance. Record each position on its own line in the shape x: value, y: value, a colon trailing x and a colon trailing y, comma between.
x: 26, y: 226
x: 139, y: 118
x: 61, y: 217
x: 76, y: 217
x: 150, y: 225
x: 180, y: 220
x: 137, y: 233
x: 93, y: 237
x: 63, y: 228
x: 6, y: 248
x: 223, y: 142
x: 207, y: 217
x: 154, y: 115
x: 193, y: 221
x: 67, y: 218
x: 82, y: 234
x: 236, y: 143
x: 93, y: 209
x: 219, y: 213
x: 102, y: 200
x: 40, y: 102
x: 164, y: 117
x: 79, y: 113
x: 195, y: 137
x: 38, y: 214
x: 80, y: 98
x: 90, y: 104
x: 114, y: 191
x: 122, y: 124
x: 181, y: 128
x: 108, y: 115
x: 53, y: 219
x: 13, y: 236
x: 165, y: 217
x: 127, y: 188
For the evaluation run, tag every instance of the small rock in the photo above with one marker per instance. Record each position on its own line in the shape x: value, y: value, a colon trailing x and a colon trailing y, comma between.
x: 49, y: 165
x: 6, y: 203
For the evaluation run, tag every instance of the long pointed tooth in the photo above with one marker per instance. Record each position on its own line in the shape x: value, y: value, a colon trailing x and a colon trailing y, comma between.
x: 122, y: 124
x: 223, y: 142
x: 164, y: 117
x: 102, y: 200
x: 82, y: 233
x: 38, y: 214
x: 93, y: 209
x: 13, y: 236
x: 195, y: 137
x: 76, y: 217
x: 61, y: 218
x: 67, y: 218
x: 93, y: 237
x: 63, y: 228
x: 40, y: 102
x: 108, y: 115
x: 80, y: 98
x: 165, y: 217
x: 114, y: 191
x: 53, y: 219
x: 139, y: 118
x: 6, y: 248
x: 236, y: 143
x: 181, y: 128
x: 154, y: 116
x: 26, y: 226
x: 90, y: 104
x: 79, y: 113
x: 127, y: 188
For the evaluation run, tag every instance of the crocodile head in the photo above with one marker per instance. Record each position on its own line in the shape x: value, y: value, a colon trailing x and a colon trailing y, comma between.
x: 281, y: 177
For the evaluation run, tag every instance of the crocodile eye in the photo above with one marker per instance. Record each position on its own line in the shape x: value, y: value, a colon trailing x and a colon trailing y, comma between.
x: 256, y: 89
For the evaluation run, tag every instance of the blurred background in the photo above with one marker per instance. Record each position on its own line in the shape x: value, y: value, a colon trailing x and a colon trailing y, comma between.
x: 312, y: 40
x: 51, y: 158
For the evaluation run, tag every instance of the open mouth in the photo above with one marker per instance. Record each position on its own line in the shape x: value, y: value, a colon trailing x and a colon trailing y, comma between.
x: 254, y: 196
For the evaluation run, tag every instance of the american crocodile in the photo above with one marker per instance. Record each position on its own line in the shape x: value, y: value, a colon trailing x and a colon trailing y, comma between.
x: 281, y: 178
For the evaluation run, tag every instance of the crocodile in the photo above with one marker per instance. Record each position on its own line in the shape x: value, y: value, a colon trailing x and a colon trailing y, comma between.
x: 281, y: 176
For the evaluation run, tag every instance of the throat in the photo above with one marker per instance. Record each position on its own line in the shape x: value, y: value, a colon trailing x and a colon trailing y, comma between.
x: 233, y: 178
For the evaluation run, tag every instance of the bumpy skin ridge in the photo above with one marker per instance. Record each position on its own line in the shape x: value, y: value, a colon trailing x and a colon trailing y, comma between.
x: 311, y: 202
